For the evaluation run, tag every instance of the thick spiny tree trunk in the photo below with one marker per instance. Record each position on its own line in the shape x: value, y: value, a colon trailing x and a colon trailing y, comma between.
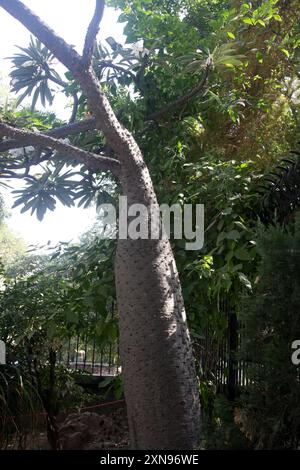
x: 161, y: 387
x: 158, y: 368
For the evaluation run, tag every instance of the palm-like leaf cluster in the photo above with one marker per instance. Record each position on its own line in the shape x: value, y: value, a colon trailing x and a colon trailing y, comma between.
x: 223, y: 56
x: 32, y: 70
x: 40, y: 193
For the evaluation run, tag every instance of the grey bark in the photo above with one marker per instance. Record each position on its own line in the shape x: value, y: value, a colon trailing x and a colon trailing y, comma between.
x: 158, y: 367
x: 57, y: 133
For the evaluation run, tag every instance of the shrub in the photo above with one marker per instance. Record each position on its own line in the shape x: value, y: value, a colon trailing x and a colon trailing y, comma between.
x: 270, y: 412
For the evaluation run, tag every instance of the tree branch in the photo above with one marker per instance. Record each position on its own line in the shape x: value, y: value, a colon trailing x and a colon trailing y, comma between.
x: 91, y: 160
x: 74, y: 109
x: 171, y: 107
x: 59, y: 132
x: 120, y: 139
x: 92, y: 32
x: 13, y: 165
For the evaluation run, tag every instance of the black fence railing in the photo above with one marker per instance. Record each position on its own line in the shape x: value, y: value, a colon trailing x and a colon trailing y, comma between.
x: 84, y: 354
x: 219, y: 354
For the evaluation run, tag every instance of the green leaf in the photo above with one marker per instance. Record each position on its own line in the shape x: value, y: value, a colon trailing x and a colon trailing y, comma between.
x: 245, y: 281
x: 34, y: 99
x: 41, y: 210
x: 243, y: 254
x: 286, y: 52
x: 262, y: 23
x: 106, y: 382
x: 240, y: 225
x: 233, y: 235
x: 27, y: 92
x: 230, y: 35
x: 249, y: 21
x: 259, y: 57
x: 221, y: 237
x: 227, y: 211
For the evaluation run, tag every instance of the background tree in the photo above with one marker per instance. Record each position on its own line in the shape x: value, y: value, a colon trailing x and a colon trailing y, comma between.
x: 51, y: 300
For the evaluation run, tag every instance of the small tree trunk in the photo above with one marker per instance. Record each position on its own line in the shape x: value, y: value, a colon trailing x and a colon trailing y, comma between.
x: 160, y: 382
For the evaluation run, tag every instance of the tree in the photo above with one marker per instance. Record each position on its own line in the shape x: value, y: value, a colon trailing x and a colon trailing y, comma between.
x: 48, y: 300
x: 159, y: 376
x: 11, y: 246
x: 33, y: 323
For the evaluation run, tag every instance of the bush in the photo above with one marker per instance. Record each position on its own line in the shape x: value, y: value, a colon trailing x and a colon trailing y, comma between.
x: 270, y: 411
x: 19, y: 404
x: 219, y: 429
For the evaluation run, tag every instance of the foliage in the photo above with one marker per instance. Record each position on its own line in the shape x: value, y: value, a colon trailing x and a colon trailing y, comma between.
x: 11, y: 246
x: 219, y: 431
x: 270, y: 411
x: 256, y: 91
x: 68, y: 396
x: 54, y: 176
x: 18, y: 400
x: 212, y: 149
x: 251, y: 79
x: 58, y: 297
x: 281, y: 191
x: 32, y: 68
x: 217, y: 146
x: 114, y: 385
x: 75, y: 284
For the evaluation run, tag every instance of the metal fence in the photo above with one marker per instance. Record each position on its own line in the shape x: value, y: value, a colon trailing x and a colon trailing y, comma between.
x: 84, y: 354
x: 219, y: 355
